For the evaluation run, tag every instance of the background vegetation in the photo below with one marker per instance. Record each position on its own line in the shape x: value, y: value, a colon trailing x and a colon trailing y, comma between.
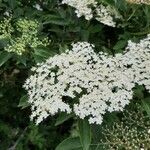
x: 60, y: 24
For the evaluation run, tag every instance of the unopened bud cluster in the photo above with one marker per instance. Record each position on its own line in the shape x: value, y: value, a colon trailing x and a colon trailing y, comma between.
x: 27, y: 35
x: 132, y: 133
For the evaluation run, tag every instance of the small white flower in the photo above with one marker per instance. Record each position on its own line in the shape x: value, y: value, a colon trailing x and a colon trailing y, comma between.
x: 6, y: 13
x: 38, y: 7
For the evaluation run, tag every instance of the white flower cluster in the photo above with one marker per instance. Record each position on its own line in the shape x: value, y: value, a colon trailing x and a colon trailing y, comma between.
x: 87, y: 8
x: 137, y: 58
x: 38, y: 7
x: 105, y: 15
x: 83, y: 7
x: 93, y: 83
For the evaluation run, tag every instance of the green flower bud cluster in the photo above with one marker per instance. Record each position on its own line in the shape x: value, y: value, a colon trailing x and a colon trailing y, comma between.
x: 27, y: 35
x: 6, y: 29
x: 24, y: 26
x: 133, y: 133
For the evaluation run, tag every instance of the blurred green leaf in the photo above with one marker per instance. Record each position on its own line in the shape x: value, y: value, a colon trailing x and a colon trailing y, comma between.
x: 12, y: 3
x: 24, y: 102
x: 53, y: 19
x: 40, y: 54
x: 4, y: 56
x: 85, y: 133
x: 69, y: 144
x: 85, y: 35
x: 146, y: 105
x: 120, y: 45
x: 62, y: 118
x: 95, y: 28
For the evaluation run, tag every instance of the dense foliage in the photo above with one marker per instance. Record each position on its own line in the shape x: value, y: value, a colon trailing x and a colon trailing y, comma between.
x: 34, y: 31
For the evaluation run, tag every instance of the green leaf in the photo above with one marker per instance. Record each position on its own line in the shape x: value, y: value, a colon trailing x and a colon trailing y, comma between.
x: 85, y: 133
x: 120, y: 44
x: 146, y: 105
x: 63, y: 48
x: 85, y: 35
x: 22, y: 59
x: 95, y: 28
x: 40, y: 54
x: 70, y: 144
x: 108, y: 2
x: 62, y: 118
x: 12, y: 3
x: 53, y: 19
x: 121, y: 4
x: 23, y: 102
x: 4, y: 56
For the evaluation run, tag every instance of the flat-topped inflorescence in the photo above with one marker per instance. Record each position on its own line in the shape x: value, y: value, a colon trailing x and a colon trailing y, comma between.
x: 91, y: 9
x: 95, y: 83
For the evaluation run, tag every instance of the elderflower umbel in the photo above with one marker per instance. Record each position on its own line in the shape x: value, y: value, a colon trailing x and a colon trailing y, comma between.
x: 137, y: 58
x: 83, y: 8
x: 100, y: 83
x: 87, y: 8
x: 105, y: 15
